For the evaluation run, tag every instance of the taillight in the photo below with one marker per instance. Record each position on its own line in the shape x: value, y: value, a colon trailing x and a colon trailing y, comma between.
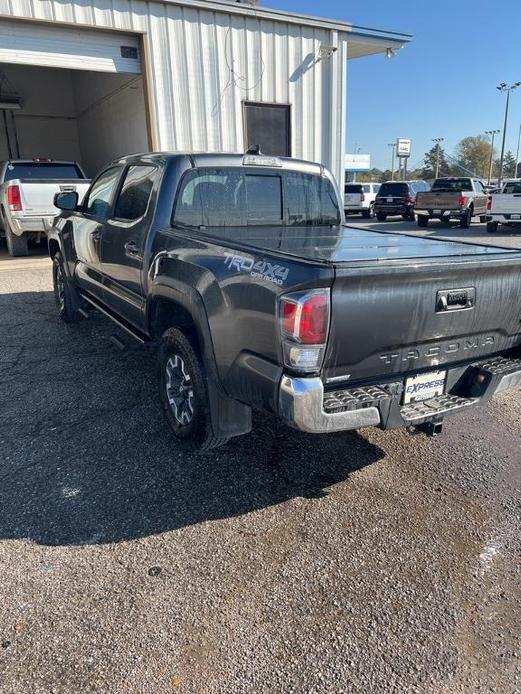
x: 378, y: 199
x: 14, y: 199
x: 489, y: 202
x: 304, y: 322
x: 462, y: 200
x: 409, y: 199
x: 362, y: 197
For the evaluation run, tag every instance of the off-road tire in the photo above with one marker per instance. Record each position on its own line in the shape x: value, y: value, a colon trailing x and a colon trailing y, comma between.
x: 197, y: 435
x: 17, y: 246
x: 65, y: 294
x: 422, y: 220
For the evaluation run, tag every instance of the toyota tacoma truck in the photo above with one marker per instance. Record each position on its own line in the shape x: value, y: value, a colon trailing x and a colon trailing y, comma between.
x: 240, y: 271
x: 27, y: 189
x: 450, y: 198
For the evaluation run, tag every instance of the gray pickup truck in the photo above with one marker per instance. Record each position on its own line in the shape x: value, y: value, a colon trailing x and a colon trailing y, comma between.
x: 452, y: 198
x: 240, y: 271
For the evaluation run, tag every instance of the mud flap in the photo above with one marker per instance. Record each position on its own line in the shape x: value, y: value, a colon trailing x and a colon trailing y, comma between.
x: 229, y: 417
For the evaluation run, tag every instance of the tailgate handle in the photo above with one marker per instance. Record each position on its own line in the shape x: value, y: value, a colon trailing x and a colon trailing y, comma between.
x: 455, y: 299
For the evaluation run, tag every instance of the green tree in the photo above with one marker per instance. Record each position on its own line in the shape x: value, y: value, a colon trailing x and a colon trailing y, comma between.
x: 473, y: 153
x: 509, y: 165
x: 428, y: 170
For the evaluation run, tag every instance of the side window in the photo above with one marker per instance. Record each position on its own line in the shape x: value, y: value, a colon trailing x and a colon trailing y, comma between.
x: 367, y: 189
x: 100, y: 194
x: 135, y: 192
x: 479, y: 186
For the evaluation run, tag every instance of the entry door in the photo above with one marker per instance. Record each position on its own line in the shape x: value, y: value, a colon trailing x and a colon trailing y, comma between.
x: 123, y: 242
x: 88, y: 228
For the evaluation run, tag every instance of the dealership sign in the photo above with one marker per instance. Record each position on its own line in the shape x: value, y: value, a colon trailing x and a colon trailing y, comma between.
x: 403, y: 147
x: 357, y: 162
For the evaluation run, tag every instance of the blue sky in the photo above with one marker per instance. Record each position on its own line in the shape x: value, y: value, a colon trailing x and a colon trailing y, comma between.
x: 442, y: 84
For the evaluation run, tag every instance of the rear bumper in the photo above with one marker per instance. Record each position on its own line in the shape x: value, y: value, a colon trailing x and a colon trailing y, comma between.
x: 304, y: 405
x: 393, y: 209
x: 441, y: 214
x: 31, y: 224
x: 504, y: 218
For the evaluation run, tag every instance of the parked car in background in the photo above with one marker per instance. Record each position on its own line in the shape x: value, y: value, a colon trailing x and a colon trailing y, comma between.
x: 504, y: 207
x: 460, y: 198
x: 27, y: 190
x: 239, y: 269
x: 397, y: 198
x: 359, y: 198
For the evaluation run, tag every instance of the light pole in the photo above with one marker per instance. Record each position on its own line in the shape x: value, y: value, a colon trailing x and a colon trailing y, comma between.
x: 437, y: 140
x: 517, y: 152
x: 504, y: 87
x: 393, y: 145
x: 493, y: 133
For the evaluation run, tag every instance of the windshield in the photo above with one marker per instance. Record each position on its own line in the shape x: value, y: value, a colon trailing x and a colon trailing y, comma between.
x: 233, y: 197
x: 456, y: 184
x: 398, y: 189
x: 42, y: 170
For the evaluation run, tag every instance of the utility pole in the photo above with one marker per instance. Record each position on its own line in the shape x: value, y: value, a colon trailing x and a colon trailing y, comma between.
x: 437, y: 140
x: 493, y: 133
x: 393, y: 145
x: 504, y: 87
x: 517, y: 152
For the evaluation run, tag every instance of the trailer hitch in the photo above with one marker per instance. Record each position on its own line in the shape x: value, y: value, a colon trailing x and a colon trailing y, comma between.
x: 430, y: 428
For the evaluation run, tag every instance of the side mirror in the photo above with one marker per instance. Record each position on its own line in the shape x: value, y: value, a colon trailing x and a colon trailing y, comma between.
x: 66, y: 201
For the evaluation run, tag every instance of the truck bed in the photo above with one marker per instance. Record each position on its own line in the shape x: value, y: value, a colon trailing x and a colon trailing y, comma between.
x: 349, y: 245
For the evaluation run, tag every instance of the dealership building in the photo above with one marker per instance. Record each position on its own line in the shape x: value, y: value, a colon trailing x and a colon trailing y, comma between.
x: 91, y: 80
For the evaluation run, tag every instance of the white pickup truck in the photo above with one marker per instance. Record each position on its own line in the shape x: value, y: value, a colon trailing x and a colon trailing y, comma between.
x: 27, y: 190
x: 504, y: 207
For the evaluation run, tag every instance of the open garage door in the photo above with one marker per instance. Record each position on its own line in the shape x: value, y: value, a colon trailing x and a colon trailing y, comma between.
x: 28, y: 43
x: 68, y: 93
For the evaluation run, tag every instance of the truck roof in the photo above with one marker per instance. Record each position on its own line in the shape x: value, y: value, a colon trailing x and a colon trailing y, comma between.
x: 227, y: 159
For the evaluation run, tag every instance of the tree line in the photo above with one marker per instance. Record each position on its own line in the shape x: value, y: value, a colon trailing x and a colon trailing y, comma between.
x: 472, y: 156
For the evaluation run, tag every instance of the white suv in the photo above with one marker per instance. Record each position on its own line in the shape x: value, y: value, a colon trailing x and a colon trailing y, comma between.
x: 359, y: 198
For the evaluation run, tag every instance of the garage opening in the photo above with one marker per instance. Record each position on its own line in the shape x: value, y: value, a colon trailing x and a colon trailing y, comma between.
x: 71, y: 95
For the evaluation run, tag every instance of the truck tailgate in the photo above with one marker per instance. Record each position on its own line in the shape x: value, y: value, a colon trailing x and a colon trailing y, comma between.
x: 390, y: 320
x: 38, y: 194
x: 438, y: 200
x: 505, y: 203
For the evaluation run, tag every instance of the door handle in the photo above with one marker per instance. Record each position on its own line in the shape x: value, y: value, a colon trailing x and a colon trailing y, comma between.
x: 131, y: 249
x: 96, y: 235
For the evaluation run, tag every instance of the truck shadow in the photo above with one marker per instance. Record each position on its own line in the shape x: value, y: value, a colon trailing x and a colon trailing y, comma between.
x: 86, y: 456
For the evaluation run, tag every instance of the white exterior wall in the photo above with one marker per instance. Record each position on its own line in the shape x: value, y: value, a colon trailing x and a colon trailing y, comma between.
x: 203, y: 64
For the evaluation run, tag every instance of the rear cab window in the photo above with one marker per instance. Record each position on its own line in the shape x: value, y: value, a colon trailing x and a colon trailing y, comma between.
x: 454, y: 184
x: 42, y: 170
x: 233, y: 197
x: 512, y: 188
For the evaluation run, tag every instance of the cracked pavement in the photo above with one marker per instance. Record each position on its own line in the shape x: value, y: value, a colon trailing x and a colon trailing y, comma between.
x: 365, y: 562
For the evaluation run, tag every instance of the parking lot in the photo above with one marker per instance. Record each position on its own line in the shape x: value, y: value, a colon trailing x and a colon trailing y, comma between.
x: 372, y: 561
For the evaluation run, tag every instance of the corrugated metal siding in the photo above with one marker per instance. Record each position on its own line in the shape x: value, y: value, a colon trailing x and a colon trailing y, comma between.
x: 204, y: 64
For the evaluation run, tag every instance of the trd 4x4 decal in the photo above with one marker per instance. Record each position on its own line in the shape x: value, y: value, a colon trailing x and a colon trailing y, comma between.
x: 261, y: 269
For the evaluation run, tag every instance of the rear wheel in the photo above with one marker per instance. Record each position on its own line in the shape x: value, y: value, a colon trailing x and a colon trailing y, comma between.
x: 492, y: 227
x: 381, y: 216
x: 409, y: 216
x: 466, y: 220
x: 422, y: 220
x: 16, y: 245
x: 183, y: 393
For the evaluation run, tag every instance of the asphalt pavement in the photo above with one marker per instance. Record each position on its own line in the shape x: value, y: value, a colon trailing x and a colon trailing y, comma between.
x: 283, y: 562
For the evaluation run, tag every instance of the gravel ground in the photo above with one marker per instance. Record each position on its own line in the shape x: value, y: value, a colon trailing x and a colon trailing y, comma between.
x: 371, y: 562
